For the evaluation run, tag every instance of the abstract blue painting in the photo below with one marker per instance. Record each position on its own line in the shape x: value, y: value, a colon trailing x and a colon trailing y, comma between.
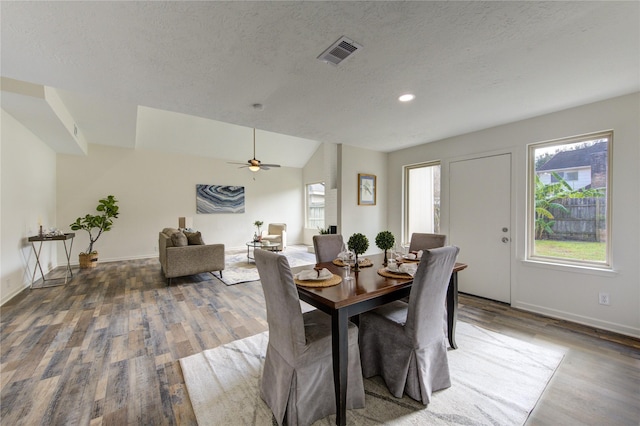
x: 219, y: 199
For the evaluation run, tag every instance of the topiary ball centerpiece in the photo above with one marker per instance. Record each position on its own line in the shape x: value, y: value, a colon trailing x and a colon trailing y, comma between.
x: 358, y: 243
x: 385, y: 241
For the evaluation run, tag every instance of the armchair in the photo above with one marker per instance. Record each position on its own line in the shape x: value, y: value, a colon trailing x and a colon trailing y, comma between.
x: 277, y: 234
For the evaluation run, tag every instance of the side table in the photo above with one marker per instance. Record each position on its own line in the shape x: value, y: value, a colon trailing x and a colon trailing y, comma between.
x: 44, y: 238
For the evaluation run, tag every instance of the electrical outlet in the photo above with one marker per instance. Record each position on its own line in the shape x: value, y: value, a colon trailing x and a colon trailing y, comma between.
x: 603, y: 298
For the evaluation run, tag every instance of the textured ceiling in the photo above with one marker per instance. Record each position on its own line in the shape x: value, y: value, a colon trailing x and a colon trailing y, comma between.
x: 471, y: 65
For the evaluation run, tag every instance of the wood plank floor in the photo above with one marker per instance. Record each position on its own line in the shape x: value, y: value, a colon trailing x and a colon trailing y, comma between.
x: 104, y: 349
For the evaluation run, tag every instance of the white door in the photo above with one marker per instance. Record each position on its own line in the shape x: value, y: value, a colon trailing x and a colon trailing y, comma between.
x: 480, y: 224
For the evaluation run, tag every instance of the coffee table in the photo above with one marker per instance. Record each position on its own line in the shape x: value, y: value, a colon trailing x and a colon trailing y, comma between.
x: 264, y: 245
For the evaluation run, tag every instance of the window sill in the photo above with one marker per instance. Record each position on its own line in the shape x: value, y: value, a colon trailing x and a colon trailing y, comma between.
x: 580, y: 269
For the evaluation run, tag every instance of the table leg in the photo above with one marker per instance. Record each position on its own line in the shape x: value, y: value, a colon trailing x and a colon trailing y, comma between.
x: 68, y: 253
x: 340, y: 348
x: 35, y: 268
x: 452, y: 309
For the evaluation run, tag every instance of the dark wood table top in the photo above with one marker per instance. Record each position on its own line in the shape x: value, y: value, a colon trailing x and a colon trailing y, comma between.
x: 45, y: 237
x: 367, y: 284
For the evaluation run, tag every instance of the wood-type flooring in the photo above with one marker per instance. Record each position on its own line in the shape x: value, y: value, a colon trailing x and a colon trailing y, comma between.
x: 104, y: 349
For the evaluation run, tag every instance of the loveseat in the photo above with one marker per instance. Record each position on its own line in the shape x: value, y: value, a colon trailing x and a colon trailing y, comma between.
x: 185, y: 253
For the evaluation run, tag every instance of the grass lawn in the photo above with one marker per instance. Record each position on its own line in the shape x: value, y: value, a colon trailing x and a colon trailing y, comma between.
x: 578, y: 250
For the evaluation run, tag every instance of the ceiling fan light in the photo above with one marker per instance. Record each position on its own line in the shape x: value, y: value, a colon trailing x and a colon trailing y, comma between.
x: 254, y: 168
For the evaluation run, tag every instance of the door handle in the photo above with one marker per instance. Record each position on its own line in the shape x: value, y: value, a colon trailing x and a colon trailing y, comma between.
x: 505, y: 240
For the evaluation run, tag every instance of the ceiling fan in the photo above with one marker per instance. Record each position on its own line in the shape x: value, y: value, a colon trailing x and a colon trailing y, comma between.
x: 254, y: 165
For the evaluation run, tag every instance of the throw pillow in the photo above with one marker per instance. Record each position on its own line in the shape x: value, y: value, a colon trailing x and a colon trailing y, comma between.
x: 194, y: 238
x: 179, y: 239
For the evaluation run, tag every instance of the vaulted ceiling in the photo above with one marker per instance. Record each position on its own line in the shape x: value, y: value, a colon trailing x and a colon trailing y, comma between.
x: 184, y: 76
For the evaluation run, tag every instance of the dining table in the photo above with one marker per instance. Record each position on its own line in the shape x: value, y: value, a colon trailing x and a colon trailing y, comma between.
x: 365, y: 291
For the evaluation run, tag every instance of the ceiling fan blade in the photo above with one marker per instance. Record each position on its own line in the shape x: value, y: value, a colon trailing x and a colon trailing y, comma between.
x: 254, y: 162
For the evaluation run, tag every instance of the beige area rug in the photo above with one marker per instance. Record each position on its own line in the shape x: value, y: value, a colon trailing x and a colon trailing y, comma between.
x: 239, y: 269
x: 496, y: 380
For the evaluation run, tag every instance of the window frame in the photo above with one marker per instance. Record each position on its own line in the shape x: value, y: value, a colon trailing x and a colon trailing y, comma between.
x: 405, y: 204
x: 308, y: 205
x: 530, y: 255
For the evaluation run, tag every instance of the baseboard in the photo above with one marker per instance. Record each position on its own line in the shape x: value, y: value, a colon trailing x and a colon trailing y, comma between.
x: 118, y: 259
x: 7, y: 297
x: 580, y: 319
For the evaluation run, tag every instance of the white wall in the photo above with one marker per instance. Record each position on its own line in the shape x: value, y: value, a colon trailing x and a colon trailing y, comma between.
x: 28, y: 195
x: 561, y: 292
x: 155, y: 188
x: 322, y: 167
x: 367, y: 220
x: 312, y: 172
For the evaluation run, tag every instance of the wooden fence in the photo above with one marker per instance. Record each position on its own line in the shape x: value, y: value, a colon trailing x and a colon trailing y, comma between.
x: 585, y: 220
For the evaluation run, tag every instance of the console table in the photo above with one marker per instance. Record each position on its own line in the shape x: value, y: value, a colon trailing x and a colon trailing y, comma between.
x: 64, y: 238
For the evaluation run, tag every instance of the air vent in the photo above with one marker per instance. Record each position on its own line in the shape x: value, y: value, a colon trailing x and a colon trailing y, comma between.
x: 339, y: 51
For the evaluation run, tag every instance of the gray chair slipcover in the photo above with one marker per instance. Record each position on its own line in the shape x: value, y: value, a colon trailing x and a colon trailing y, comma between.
x: 420, y: 241
x: 404, y: 342
x: 297, y: 380
x: 327, y: 247
x: 423, y: 241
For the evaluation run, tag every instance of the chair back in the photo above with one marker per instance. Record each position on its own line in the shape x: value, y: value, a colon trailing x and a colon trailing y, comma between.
x: 276, y: 228
x: 327, y: 247
x: 284, y: 315
x: 420, y: 241
x: 428, y: 293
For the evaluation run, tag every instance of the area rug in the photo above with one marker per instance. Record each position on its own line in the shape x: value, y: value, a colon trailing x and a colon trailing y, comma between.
x: 496, y: 380
x: 238, y: 269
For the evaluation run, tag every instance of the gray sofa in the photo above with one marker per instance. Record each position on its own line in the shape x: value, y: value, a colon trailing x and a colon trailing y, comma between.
x: 183, y: 253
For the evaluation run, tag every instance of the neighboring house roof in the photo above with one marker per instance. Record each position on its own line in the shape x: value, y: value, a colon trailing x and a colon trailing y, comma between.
x: 574, y: 158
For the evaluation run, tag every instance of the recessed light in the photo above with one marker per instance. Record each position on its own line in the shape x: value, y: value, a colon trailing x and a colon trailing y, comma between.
x: 407, y: 97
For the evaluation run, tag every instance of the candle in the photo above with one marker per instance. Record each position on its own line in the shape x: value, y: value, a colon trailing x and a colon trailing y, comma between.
x: 39, y: 220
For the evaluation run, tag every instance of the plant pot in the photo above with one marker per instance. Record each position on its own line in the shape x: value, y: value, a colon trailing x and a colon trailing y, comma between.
x: 88, y: 260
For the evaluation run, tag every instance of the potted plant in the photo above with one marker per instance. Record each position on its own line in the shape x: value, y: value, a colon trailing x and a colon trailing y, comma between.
x: 385, y: 241
x: 324, y: 231
x: 95, y: 225
x: 358, y: 243
x: 258, y: 236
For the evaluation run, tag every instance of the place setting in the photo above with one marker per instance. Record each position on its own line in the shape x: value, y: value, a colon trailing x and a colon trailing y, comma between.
x: 317, y: 277
x: 401, y: 266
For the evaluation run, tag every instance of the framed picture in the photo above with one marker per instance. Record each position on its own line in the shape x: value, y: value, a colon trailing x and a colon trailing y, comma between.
x: 366, y: 189
x: 219, y: 199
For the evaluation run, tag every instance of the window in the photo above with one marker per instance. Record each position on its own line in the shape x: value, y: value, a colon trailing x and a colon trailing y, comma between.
x: 315, y: 205
x: 422, y: 199
x: 569, y: 200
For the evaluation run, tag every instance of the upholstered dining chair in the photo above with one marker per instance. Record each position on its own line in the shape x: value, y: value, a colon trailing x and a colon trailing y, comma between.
x: 404, y: 342
x: 297, y: 379
x: 420, y: 241
x: 327, y: 247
